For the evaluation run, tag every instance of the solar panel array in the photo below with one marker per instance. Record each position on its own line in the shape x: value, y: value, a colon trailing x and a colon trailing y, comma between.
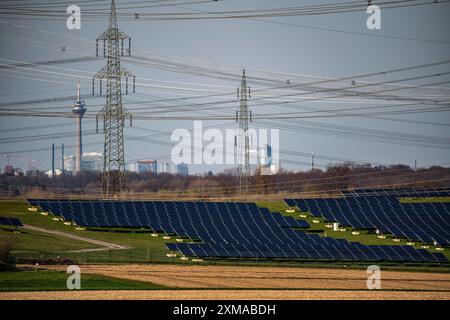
x: 426, y: 222
x: 441, y: 192
x: 5, y: 221
x: 227, y: 230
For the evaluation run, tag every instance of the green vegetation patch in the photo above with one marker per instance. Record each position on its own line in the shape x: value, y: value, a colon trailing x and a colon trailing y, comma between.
x: 424, y: 199
x: 46, y: 280
x: 34, y: 240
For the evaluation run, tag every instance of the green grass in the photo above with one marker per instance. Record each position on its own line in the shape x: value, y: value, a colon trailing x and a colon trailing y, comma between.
x: 46, y: 280
x: 424, y: 199
x: 134, y: 255
x: 144, y: 248
x: 365, y: 237
x: 34, y: 240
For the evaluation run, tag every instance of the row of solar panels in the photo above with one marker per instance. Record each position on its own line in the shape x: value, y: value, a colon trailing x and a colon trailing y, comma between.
x: 350, y: 252
x: 199, y: 219
x: 426, y: 222
x: 5, y: 221
x: 364, y: 192
x: 226, y: 229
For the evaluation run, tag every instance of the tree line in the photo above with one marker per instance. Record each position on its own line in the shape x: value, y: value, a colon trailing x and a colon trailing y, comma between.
x: 327, y: 182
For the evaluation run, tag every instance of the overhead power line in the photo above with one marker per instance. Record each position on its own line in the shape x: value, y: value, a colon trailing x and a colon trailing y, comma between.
x: 48, y: 62
x: 311, y: 10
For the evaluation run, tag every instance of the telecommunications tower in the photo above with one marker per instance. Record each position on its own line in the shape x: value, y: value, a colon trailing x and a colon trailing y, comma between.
x: 243, y: 117
x: 78, y: 110
x: 113, y: 113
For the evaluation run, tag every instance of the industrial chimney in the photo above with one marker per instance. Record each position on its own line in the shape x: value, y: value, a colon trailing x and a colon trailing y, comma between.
x: 79, y: 110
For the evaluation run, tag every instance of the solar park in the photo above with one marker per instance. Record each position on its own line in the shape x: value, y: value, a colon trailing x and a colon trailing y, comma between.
x: 180, y: 249
x: 239, y: 230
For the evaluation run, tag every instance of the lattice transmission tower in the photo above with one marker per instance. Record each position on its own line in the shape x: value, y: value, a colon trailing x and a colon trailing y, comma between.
x: 243, y: 118
x: 113, y: 113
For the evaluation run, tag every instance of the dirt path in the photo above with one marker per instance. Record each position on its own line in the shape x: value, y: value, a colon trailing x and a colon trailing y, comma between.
x: 104, y: 244
x: 226, y: 295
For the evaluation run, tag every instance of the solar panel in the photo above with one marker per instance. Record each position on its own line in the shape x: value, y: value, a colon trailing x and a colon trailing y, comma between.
x: 6, y: 221
x: 425, y: 222
x: 438, y: 192
x: 233, y: 229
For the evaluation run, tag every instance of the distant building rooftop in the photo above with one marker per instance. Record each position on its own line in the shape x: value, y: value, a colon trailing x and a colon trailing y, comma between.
x: 92, y: 154
x: 146, y: 161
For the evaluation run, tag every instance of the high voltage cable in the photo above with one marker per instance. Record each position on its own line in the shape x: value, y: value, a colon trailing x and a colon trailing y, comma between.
x: 161, y: 133
x: 48, y: 62
x: 164, y: 143
x: 362, y: 132
x: 280, y: 185
x: 41, y: 127
x: 88, y: 4
x: 33, y: 112
x: 292, y: 86
x: 334, y: 30
x: 254, y: 79
x: 315, y: 112
x: 272, y: 12
x: 165, y: 157
x: 360, y: 137
x: 179, y: 108
x: 357, y: 93
x: 39, y: 137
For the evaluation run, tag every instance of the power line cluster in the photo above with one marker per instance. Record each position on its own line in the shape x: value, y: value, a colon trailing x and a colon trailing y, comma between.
x: 94, y: 13
x: 390, y: 97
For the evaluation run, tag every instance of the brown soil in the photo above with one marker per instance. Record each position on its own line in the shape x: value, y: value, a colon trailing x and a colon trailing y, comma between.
x: 178, y: 276
x: 226, y: 295
x: 319, y: 283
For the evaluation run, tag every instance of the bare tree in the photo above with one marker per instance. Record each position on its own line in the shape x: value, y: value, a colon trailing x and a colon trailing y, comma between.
x: 338, y: 178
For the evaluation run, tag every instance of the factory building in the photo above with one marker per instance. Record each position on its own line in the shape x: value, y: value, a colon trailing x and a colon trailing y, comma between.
x: 147, y: 166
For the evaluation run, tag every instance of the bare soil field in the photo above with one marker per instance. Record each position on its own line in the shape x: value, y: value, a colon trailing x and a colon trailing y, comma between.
x: 229, y: 277
x: 299, y: 283
x: 227, y: 295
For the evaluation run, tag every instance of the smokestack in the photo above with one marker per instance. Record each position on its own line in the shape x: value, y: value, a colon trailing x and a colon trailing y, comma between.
x: 62, y: 158
x: 53, y: 160
x: 79, y: 110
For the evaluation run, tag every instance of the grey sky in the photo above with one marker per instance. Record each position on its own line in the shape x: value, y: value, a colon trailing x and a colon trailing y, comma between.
x: 233, y: 44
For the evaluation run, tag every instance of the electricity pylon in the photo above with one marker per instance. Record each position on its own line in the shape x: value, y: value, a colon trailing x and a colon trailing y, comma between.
x: 113, y: 113
x: 243, y: 117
